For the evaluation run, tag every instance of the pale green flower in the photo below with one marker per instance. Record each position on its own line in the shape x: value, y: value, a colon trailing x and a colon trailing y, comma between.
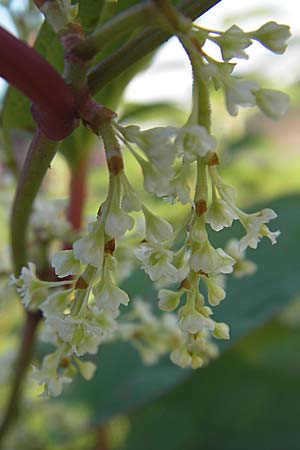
x: 169, y: 300
x: 181, y: 357
x: 233, y: 42
x: 221, y: 331
x: 272, y: 103
x: 65, y: 263
x: 273, y: 36
x: 86, y: 368
x: 193, y: 141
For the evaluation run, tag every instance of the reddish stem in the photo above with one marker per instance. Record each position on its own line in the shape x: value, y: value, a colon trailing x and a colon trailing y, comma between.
x: 53, y: 102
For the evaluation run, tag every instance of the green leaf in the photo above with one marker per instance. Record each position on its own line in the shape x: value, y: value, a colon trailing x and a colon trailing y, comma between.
x: 229, y: 405
x: 122, y: 383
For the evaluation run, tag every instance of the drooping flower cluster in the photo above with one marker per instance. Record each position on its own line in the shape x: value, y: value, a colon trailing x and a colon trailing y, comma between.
x: 83, y: 311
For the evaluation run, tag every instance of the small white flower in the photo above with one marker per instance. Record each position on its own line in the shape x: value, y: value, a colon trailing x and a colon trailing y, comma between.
x: 156, y: 181
x: 156, y: 143
x: 108, y: 295
x: 157, y: 262
x: 215, y: 291
x: 239, y: 93
x: 130, y: 199
x: 210, y: 260
x: 193, y: 141
x: 219, y: 215
x: 90, y: 248
x: 179, y: 185
x: 65, y: 263
x: 117, y: 221
x: 255, y: 227
x: 157, y: 228
x: 273, y: 36
x: 233, y: 42
x: 49, y: 375
x: 272, y: 103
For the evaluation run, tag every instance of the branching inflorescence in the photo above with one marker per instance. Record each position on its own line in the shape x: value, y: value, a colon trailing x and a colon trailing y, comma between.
x: 86, y: 308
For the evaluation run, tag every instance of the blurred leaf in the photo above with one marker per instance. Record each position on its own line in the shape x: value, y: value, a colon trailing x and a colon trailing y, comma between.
x: 122, y: 383
x: 230, y: 405
x: 132, y: 112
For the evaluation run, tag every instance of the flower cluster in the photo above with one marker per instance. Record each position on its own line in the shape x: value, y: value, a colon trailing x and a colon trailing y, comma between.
x: 84, y: 309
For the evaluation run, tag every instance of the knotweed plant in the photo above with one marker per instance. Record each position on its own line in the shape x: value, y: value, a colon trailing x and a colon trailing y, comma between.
x: 83, y: 306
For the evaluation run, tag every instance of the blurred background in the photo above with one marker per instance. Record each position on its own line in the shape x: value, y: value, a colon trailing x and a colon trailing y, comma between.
x: 248, y: 397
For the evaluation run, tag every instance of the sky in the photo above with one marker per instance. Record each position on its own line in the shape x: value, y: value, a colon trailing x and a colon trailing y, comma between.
x: 169, y: 76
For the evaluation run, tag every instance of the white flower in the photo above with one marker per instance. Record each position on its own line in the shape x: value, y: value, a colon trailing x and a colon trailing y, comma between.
x: 117, y: 221
x: 272, y: 103
x: 219, y: 215
x: 32, y: 290
x: 239, y: 93
x: 215, y: 291
x: 273, y: 36
x: 157, y: 228
x: 156, y: 181
x: 210, y: 260
x: 90, y: 248
x: 233, y: 42
x: 108, y: 295
x: 179, y: 185
x: 255, y: 227
x: 157, y: 262
x: 193, y: 322
x: 65, y: 263
x: 130, y: 200
x: 156, y: 143
x: 168, y: 300
x: 50, y: 376
x: 193, y: 141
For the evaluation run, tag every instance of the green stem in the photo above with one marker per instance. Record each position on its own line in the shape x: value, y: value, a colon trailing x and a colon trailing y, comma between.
x: 113, y: 29
x: 139, y: 46
x: 38, y: 159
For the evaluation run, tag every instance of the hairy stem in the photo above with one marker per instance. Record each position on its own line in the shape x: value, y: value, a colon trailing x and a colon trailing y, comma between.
x: 123, y: 23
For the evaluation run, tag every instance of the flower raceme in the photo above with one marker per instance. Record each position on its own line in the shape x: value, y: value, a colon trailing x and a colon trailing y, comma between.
x: 189, y: 273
